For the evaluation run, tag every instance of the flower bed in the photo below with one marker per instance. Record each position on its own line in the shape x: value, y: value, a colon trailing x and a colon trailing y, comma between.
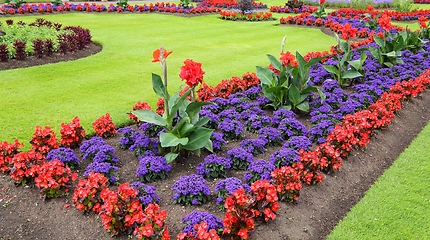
x: 353, y: 118
x: 252, y: 17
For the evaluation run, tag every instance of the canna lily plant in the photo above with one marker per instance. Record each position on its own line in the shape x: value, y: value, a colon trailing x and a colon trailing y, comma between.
x: 183, y: 128
x: 289, y: 89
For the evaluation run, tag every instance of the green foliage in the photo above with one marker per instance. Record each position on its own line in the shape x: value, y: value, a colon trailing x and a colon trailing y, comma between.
x: 184, y: 3
x: 16, y: 3
x: 389, y: 53
x: 403, y: 5
x: 346, y: 69
x: 294, y: 4
x: 122, y: 3
x: 289, y: 89
x: 320, y: 13
x: 186, y: 133
x: 57, y: 2
x: 360, y: 4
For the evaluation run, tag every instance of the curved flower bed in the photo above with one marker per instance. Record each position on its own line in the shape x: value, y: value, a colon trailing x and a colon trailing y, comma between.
x: 304, y: 8
x: 342, y: 122
x: 252, y: 17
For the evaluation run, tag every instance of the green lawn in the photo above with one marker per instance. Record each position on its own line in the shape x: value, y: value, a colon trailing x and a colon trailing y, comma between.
x: 113, y: 80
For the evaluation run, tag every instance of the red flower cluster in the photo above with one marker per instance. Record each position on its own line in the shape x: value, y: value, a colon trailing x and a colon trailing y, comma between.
x: 288, y: 59
x: 348, y: 32
x: 44, y: 140
x: 201, y: 233
x: 152, y: 225
x: 86, y: 196
x: 160, y: 106
x: 310, y: 167
x: 7, y: 152
x: 385, y: 22
x: 24, y: 166
x: 104, y: 127
x: 242, y: 208
x: 192, y: 73
x: 423, y: 21
x: 72, y: 134
x: 288, y: 183
x: 139, y: 106
x: 53, y: 179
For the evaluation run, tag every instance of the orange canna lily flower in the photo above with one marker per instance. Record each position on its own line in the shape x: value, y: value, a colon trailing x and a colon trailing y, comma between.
x: 157, y: 54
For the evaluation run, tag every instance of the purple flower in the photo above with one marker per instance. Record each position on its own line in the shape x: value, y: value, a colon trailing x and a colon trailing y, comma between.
x: 258, y: 170
x: 146, y: 194
x: 284, y: 157
x: 150, y: 129
x: 152, y: 168
x: 254, y: 146
x: 272, y: 135
x: 232, y: 129
x: 142, y: 144
x: 240, y: 159
x: 104, y: 168
x: 256, y: 122
x: 214, y: 167
x: 217, y: 140
x: 298, y: 142
x: 197, y: 217
x: 291, y: 127
x: 262, y: 101
x: 230, y: 113
x: 319, y: 132
x: 253, y: 92
x: 280, y: 114
x: 106, y: 153
x: 228, y: 186
x: 191, y: 187
x: 94, y: 141
x: 64, y: 155
x: 213, y: 118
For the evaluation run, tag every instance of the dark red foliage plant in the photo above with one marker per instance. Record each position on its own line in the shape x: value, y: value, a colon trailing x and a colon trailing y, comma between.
x: 20, y: 50
x: 48, y: 47
x: 4, y: 53
x: 38, y: 48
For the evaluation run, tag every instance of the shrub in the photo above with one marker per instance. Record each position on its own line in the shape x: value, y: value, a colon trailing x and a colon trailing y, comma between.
x: 7, y: 152
x: 54, y: 178
x: 72, y: 134
x: 258, y: 170
x: 64, y: 155
x: 104, y: 127
x: 214, y: 167
x: 86, y: 196
x: 152, y: 168
x: 240, y: 159
x: 44, y: 140
x: 38, y: 48
x: 19, y: 47
x: 191, y: 189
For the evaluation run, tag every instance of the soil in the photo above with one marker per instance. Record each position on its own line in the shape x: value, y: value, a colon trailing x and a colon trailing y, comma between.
x: 25, y: 216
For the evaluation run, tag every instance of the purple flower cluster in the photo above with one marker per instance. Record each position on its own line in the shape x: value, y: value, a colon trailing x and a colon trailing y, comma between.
x: 290, y: 127
x: 192, y: 189
x: 152, y: 168
x: 102, y: 156
x: 256, y: 122
x: 217, y: 140
x: 240, y: 159
x: 229, y: 113
x: 228, y: 186
x: 320, y: 131
x: 214, y: 167
x: 253, y: 92
x: 272, y: 135
x: 232, y: 129
x: 150, y: 129
x: 64, y: 155
x: 284, y: 157
x: 258, y: 170
x: 125, y: 141
x: 280, y: 114
x: 298, y: 142
x: 197, y: 217
x: 143, y: 145
x: 254, y: 146
x: 213, y: 117
x: 146, y: 194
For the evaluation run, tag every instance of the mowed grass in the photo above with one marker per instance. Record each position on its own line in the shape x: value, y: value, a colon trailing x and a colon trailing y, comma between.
x: 397, y: 206
x: 119, y: 76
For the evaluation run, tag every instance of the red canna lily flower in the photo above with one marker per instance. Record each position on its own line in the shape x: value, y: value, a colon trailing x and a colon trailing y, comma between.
x: 157, y: 54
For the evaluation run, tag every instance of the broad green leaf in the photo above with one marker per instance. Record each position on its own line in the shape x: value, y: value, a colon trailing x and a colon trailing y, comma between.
x: 265, y: 75
x: 303, y: 106
x: 177, y: 105
x: 209, y: 146
x: 294, y: 95
x: 275, y: 62
x: 176, y: 130
x: 194, y: 108
x: 186, y: 129
x: 158, y: 86
x: 170, y: 157
x: 198, y: 138
x: 172, y: 100
x: 201, y: 122
x: 379, y: 41
x: 350, y: 74
x: 171, y: 140
x: 331, y: 69
x: 150, y: 117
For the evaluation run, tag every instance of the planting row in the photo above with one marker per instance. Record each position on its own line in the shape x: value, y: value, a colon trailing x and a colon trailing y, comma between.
x: 40, y: 38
